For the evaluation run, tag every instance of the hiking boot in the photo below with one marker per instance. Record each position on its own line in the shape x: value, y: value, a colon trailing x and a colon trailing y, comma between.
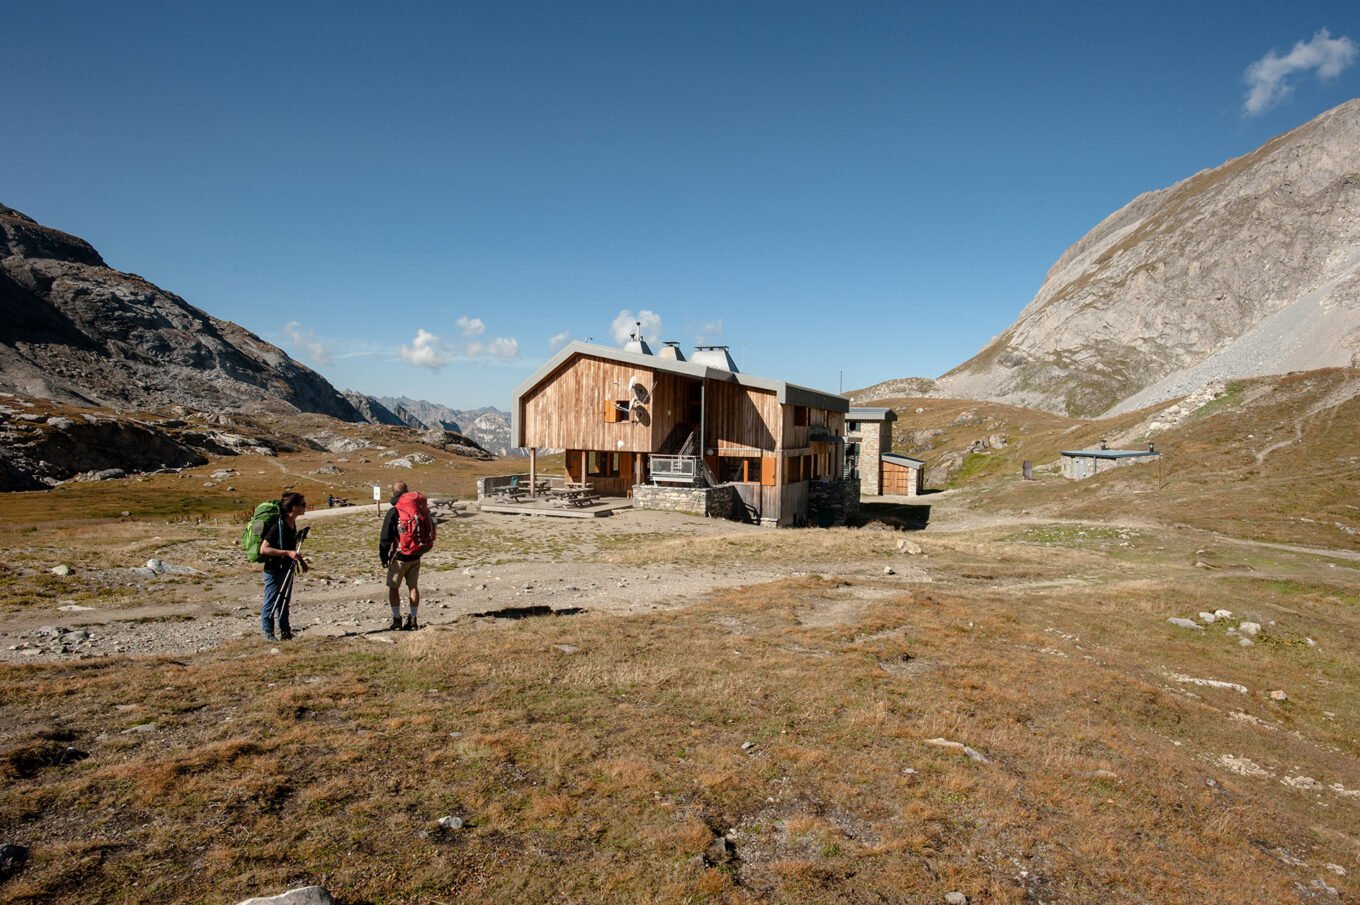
x: 285, y: 635
x: 410, y: 625
x: 270, y: 638
x: 396, y: 624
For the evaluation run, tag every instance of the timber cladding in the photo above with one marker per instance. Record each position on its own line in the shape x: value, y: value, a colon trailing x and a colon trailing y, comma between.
x: 741, y: 417
x: 571, y: 408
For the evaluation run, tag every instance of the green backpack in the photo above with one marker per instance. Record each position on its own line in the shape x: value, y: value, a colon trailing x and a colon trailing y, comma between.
x: 252, y: 535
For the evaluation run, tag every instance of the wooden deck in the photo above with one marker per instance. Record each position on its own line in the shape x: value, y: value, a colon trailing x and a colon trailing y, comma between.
x: 543, y: 505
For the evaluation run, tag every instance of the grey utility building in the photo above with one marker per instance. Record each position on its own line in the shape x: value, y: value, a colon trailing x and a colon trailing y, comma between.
x: 1084, y: 463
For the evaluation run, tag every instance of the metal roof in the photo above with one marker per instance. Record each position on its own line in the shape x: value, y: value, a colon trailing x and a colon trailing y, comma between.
x: 786, y: 393
x: 1110, y: 453
x: 871, y: 413
x: 899, y: 459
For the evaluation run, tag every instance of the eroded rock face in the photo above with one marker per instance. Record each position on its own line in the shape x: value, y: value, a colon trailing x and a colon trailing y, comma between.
x: 41, y: 456
x: 75, y: 330
x: 1247, y: 269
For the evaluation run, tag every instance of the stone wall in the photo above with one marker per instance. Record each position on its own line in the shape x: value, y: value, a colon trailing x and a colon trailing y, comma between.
x: 713, y: 502
x: 870, y: 453
x: 833, y: 502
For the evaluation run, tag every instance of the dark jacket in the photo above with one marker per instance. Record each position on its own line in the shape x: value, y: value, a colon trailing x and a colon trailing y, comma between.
x: 387, y: 540
x: 281, y: 536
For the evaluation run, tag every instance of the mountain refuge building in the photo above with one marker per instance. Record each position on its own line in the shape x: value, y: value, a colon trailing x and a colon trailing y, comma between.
x: 692, y: 434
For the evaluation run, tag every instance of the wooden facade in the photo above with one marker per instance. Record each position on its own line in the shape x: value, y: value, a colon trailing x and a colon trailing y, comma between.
x: 612, y: 410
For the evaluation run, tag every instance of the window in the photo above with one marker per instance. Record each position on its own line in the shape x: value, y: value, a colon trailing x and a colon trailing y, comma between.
x: 602, y: 464
x: 739, y: 470
x: 800, y: 416
x: 615, y: 410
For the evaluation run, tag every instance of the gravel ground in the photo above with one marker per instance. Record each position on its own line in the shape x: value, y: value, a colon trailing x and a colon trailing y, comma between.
x: 344, y: 595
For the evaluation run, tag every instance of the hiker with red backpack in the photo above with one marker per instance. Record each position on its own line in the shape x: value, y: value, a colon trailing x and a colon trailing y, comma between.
x: 407, y: 534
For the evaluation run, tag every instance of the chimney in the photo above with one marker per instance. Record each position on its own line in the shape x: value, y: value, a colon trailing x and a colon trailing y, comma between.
x: 714, y: 357
x: 635, y: 341
x: 671, y: 349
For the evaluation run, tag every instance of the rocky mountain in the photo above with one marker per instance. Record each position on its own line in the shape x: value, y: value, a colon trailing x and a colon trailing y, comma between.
x: 491, y: 430
x: 419, y: 413
x: 374, y: 412
x: 488, y: 426
x: 75, y: 330
x: 1250, y: 268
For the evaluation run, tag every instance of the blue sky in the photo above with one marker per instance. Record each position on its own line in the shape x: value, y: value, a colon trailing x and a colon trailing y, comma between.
x: 426, y: 200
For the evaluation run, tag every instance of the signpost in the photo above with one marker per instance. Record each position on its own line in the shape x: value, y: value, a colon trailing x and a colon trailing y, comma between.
x: 377, y: 499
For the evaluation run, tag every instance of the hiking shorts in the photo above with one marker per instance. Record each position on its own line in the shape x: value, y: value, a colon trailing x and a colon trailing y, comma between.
x: 399, y: 569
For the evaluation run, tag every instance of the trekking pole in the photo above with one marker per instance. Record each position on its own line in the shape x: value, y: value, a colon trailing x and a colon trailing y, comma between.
x: 286, y: 592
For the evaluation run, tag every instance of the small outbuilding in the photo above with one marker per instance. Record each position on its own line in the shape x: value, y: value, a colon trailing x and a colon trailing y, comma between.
x: 1084, y: 463
x: 902, y: 475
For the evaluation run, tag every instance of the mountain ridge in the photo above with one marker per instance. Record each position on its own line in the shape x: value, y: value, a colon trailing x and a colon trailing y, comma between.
x: 75, y: 330
x: 1244, y: 269
x: 488, y: 425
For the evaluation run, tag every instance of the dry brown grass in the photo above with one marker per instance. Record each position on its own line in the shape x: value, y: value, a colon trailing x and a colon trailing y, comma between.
x: 673, y: 758
x: 769, y: 743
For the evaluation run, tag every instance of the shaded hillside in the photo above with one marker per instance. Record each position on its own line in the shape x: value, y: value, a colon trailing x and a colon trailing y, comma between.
x: 1246, y: 269
x: 371, y: 410
x: 45, y: 444
x: 73, y: 329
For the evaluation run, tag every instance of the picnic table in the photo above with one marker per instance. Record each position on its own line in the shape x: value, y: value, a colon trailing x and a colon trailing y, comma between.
x: 574, y: 493
x: 512, y: 493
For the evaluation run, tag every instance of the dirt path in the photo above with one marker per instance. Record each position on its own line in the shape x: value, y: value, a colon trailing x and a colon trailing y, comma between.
x: 487, y: 563
x: 350, y: 601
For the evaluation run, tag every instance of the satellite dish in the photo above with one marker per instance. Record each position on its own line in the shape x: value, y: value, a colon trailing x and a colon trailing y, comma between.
x: 641, y: 394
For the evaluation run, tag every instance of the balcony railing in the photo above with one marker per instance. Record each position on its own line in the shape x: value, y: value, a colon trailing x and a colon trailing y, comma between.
x: 677, y: 469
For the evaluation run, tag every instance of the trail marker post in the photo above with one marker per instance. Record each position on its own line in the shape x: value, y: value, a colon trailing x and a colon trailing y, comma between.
x: 377, y: 499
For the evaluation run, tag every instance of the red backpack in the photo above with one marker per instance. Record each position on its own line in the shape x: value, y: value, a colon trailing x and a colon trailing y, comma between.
x: 415, y: 528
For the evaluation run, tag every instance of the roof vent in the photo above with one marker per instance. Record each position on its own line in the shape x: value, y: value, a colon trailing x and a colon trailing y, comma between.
x: 671, y: 349
x: 714, y: 357
x: 635, y: 341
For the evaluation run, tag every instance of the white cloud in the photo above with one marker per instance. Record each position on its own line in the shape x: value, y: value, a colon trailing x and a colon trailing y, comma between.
x: 503, y: 349
x: 316, y: 350
x: 426, y: 351
x: 626, y: 322
x: 429, y: 351
x: 559, y: 340
x: 1269, y: 77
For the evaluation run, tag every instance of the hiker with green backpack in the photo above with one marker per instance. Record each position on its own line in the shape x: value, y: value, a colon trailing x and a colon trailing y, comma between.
x: 273, y: 538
